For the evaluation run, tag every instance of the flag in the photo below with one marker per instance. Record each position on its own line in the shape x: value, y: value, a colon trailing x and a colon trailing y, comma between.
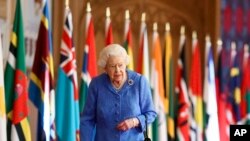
x: 108, y: 28
x: 160, y: 101
x: 181, y: 91
x: 195, y: 91
x: 3, y: 123
x: 209, y: 95
x: 128, y: 40
x: 143, y: 55
x: 168, y: 83
x: 245, y: 88
x: 89, y: 67
x: 16, y: 83
x: 67, y: 104
x: 234, y: 84
x: 224, y: 114
x: 41, y: 86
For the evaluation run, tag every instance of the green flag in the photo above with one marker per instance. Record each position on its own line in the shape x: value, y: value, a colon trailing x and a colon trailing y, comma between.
x: 15, y: 79
x: 168, y: 83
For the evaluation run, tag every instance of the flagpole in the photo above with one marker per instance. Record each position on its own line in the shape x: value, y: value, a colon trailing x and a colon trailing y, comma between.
x: 233, y: 50
x: 219, y: 46
x: 182, y: 30
x: 217, y: 53
x: 127, y: 14
x: 88, y: 9
x: 155, y: 26
x: 108, y: 28
x: 143, y: 17
x: 6, y: 39
x: 207, y: 39
x: 194, y: 37
x: 167, y: 27
x: 108, y: 12
x: 67, y: 3
x: 246, y: 50
x: 208, y: 43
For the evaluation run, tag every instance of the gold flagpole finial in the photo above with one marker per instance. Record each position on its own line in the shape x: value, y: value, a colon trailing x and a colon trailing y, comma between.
x: 219, y: 42
x: 167, y: 27
x: 107, y: 12
x: 246, y: 48
x: 127, y: 14
x: 219, y: 45
x: 155, y: 26
x: 88, y: 9
x: 143, y: 17
x: 233, y: 45
x: 67, y: 3
x: 194, y: 35
x: 207, y: 38
x: 182, y: 30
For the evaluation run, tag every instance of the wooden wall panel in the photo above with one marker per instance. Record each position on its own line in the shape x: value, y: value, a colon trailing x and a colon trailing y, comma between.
x: 193, y: 14
x: 3, y: 9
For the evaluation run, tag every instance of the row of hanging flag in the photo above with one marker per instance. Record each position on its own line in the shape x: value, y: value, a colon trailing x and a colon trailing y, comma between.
x: 198, y: 109
x: 58, y: 106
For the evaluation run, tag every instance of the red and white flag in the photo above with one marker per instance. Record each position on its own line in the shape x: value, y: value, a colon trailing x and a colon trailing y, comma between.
x: 128, y: 40
x: 108, y: 28
x: 156, y: 80
x: 195, y: 92
x: 183, y: 131
x: 89, y: 67
x: 143, y: 56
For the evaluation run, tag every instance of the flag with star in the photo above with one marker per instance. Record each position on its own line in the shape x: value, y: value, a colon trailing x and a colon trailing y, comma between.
x: 67, y: 99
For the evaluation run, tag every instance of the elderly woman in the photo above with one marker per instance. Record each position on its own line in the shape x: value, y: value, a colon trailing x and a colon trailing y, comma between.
x: 118, y: 101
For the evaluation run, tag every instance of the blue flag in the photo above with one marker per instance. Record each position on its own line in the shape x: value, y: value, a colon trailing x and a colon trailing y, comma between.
x: 67, y: 99
x: 41, y: 87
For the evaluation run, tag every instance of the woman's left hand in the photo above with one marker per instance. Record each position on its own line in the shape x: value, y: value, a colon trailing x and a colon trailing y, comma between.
x: 127, y: 124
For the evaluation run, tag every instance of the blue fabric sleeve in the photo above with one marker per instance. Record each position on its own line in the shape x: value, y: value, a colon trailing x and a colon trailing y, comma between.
x: 146, y: 104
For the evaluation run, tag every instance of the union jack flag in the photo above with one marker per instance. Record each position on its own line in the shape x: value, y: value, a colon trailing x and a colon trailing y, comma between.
x: 67, y: 98
x: 67, y: 54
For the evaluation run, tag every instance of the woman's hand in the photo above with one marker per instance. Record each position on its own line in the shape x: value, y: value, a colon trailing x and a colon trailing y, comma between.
x: 128, y: 124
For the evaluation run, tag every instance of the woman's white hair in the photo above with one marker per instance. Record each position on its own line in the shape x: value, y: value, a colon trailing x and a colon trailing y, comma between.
x: 112, y: 50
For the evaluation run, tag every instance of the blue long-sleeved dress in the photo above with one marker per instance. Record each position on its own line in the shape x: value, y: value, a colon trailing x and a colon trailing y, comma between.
x: 106, y: 107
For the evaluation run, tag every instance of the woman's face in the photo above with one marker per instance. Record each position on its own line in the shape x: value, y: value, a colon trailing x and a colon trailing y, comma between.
x: 116, y: 68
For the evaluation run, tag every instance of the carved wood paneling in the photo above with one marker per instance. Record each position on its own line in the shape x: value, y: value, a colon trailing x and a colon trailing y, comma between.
x: 199, y: 15
x: 193, y: 14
